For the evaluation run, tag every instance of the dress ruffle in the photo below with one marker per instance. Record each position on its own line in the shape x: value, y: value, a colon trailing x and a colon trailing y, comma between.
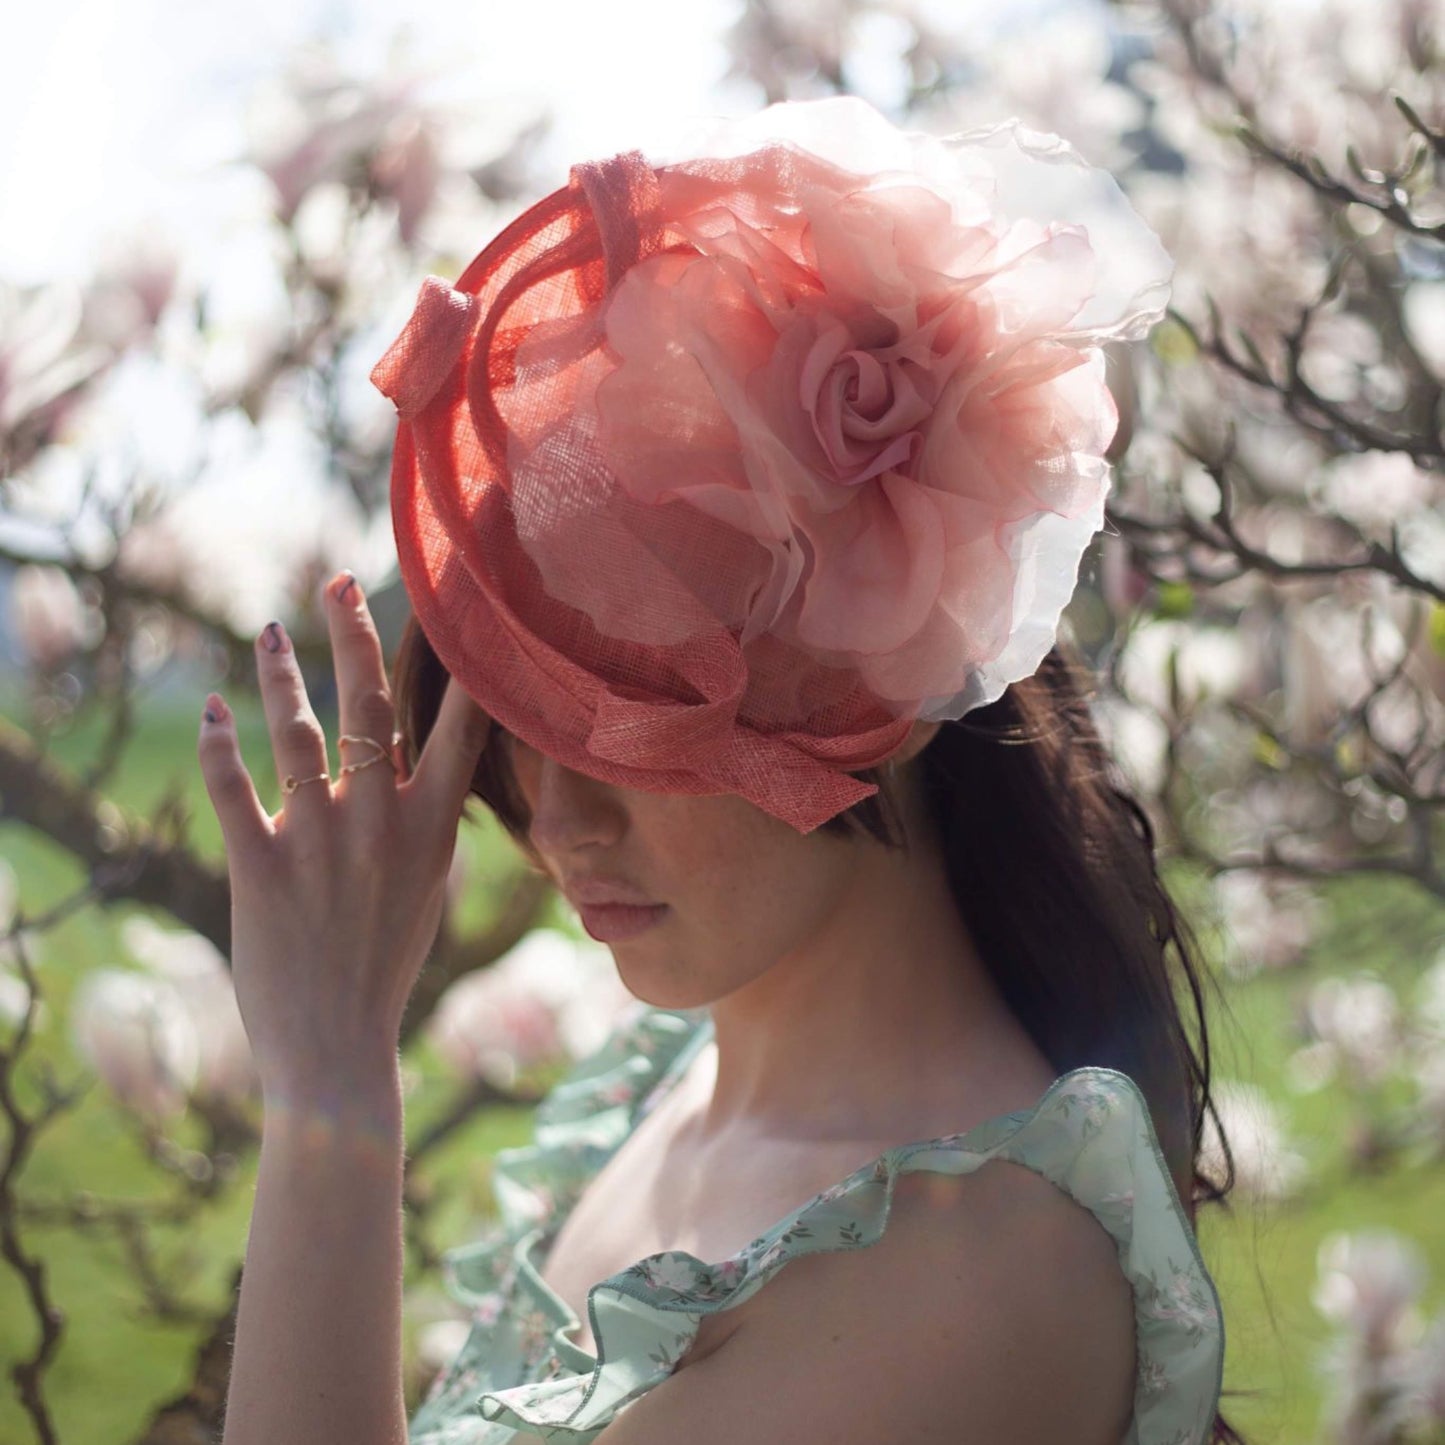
x: 1090, y: 1135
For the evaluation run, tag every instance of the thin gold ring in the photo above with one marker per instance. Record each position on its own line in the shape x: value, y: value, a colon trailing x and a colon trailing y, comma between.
x: 357, y: 767
x: 289, y: 784
x: 381, y: 755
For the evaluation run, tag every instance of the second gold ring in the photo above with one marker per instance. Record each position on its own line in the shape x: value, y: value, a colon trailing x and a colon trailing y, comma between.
x: 380, y: 753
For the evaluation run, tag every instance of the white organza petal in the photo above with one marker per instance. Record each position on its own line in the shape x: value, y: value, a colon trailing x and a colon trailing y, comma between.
x: 1005, y: 170
x: 1047, y: 549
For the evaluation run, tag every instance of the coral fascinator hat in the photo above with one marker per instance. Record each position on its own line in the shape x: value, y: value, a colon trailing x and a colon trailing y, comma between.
x: 712, y: 476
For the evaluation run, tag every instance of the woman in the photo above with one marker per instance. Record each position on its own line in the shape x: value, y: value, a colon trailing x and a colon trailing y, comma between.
x: 718, y: 485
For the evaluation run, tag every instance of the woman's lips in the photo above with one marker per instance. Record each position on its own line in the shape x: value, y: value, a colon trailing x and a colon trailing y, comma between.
x: 612, y: 922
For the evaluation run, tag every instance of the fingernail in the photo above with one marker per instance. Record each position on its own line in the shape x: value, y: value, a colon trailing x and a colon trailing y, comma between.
x: 216, y: 709
x: 274, y: 639
x: 347, y: 587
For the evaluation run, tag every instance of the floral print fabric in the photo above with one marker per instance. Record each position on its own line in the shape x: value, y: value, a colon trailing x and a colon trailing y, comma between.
x: 517, y: 1375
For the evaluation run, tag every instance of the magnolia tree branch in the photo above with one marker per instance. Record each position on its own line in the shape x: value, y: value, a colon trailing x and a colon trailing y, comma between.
x: 24, y: 1130
x: 1304, y: 403
x: 177, y: 601
x: 1294, y: 384
x: 125, y: 859
x: 198, y: 1412
x: 1384, y: 192
x: 1165, y: 542
x: 1276, y: 855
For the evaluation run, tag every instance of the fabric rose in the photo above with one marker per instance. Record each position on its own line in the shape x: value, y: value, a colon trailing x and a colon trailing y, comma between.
x: 890, y: 379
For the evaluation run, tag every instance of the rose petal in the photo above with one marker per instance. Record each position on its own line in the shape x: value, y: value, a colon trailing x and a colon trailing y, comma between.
x: 876, y: 569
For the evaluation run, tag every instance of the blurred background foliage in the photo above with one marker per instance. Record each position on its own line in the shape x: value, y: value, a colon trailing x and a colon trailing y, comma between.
x: 188, y: 446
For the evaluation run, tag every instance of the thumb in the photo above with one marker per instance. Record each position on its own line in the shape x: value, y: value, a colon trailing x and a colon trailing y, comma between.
x: 449, y: 760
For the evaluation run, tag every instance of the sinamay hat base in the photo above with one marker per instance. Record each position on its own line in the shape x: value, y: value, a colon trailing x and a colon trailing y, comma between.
x: 713, y: 476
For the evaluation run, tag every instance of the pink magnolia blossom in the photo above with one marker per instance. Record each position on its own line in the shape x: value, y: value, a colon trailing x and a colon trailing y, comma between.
x: 45, y: 365
x: 15, y: 994
x: 1370, y: 1282
x: 1206, y: 662
x: 324, y: 129
x: 15, y: 999
x: 1430, y: 1000
x: 135, y: 1032
x: 492, y: 1026
x: 202, y: 981
x: 1360, y: 1017
x: 407, y: 170
x: 548, y: 999
x: 1055, y: 78
x: 1266, y: 1166
x: 48, y: 614
x: 333, y: 127
x: 124, y: 304
x: 439, y: 1343
x: 1379, y: 1370
x: 1137, y: 738
x: 1268, y: 924
x: 1424, y: 1380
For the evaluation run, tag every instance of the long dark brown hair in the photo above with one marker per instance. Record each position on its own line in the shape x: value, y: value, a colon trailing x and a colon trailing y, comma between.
x: 1051, y: 861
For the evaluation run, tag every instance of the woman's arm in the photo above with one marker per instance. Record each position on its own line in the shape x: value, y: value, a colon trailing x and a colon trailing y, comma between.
x: 335, y: 901
x: 318, y: 1336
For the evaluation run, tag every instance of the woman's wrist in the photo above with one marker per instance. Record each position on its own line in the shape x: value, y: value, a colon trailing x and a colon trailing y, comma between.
x: 315, y: 1107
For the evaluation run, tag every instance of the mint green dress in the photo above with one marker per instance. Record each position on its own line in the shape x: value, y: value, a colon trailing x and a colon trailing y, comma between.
x: 517, y: 1376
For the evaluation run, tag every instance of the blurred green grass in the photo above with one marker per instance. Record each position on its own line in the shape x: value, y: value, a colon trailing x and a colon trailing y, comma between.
x: 116, y: 1363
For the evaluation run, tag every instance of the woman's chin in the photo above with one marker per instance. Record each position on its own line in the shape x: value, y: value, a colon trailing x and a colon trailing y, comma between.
x: 652, y: 984
x: 659, y: 995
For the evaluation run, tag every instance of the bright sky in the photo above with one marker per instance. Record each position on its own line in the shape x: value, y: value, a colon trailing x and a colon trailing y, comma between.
x: 108, y: 112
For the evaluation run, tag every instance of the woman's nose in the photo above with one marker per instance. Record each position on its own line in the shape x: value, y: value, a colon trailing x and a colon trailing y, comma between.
x: 571, y: 810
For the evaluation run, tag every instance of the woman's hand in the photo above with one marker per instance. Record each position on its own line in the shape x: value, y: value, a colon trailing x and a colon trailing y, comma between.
x: 335, y: 900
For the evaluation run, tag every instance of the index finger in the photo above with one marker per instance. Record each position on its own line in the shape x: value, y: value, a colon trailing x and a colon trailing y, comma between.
x: 449, y: 759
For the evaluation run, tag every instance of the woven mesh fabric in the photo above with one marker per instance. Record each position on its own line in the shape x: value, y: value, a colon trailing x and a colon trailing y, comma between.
x: 631, y: 543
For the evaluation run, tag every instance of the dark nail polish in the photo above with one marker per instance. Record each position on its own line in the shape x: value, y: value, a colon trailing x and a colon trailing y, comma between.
x: 273, y: 637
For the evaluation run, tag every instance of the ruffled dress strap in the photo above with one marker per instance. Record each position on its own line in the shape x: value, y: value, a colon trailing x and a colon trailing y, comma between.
x: 1091, y: 1135
x: 576, y: 1129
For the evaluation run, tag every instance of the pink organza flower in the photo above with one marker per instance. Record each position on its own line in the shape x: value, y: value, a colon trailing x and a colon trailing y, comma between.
x: 889, y: 375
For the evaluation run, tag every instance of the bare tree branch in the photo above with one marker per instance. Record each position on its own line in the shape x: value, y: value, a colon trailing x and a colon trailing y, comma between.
x: 124, y: 859
x: 24, y: 1131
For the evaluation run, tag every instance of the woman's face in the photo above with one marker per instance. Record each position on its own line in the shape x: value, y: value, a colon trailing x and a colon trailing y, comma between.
x: 738, y: 889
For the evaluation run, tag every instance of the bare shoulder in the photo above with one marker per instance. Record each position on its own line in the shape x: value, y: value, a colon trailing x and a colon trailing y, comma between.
x: 993, y: 1309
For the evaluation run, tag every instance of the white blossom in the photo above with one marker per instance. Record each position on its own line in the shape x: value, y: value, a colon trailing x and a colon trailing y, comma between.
x: 1267, y: 924
x: 440, y: 1342
x: 49, y: 614
x: 202, y: 981
x: 1210, y: 662
x: 549, y: 998
x: 135, y: 1032
x: 1369, y: 1283
x: 1360, y: 1017
x: 1265, y: 1165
